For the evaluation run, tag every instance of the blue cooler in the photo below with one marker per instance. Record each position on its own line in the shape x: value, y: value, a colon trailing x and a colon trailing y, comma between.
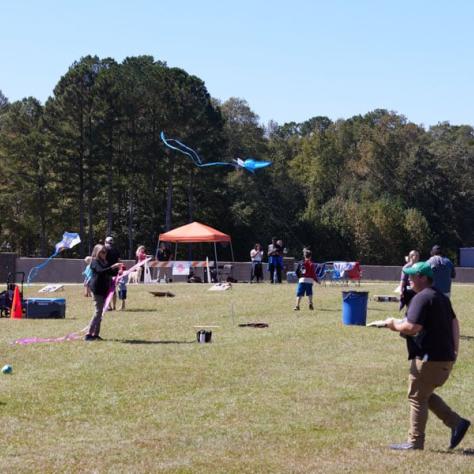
x: 45, y: 308
x: 354, y: 307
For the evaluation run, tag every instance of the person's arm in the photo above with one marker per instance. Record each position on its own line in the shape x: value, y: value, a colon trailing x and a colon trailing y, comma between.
x: 98, y: 268
x: 455, y: 325
x: 403, y: 283
x: 403, y: 327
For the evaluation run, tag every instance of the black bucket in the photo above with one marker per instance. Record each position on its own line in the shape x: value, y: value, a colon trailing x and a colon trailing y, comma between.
x: 203, y: 336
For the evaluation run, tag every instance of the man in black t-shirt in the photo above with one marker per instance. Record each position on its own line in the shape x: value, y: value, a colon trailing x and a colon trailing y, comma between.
x: 432, y: 332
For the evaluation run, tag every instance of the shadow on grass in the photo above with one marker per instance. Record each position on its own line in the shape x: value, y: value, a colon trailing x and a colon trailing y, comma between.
x: 142, y: 341
x: 462, y: 452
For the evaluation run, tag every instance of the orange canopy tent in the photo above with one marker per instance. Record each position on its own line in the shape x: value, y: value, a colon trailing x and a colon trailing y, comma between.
x: 196, y: 232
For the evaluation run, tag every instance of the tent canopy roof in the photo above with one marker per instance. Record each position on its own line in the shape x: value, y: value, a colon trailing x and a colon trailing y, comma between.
x: 194, y: 232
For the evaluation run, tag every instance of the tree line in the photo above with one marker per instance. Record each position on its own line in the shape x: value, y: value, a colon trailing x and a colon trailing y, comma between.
x: 90, y: 160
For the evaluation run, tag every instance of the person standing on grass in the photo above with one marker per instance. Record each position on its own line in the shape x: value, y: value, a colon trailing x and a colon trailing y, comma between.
x: 432, y: 333
x: 256, y: 255
x: 406, y: 293
x: 87, y: 276
x: 140, y: 256
x: 306, y: 272
x: 100, y: 284
x: 275, y: 257
x: 443, y: 270
x: 112, y: 257
x: 122, y: 288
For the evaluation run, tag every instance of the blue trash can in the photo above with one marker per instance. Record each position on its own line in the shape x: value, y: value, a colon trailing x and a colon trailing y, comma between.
x: 354, y: 307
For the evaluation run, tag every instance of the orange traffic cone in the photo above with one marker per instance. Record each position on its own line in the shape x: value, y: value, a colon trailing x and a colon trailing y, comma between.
x: 16, y: 311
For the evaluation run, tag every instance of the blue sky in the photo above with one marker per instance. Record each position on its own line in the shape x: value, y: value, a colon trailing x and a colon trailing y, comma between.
x: 290, y: 60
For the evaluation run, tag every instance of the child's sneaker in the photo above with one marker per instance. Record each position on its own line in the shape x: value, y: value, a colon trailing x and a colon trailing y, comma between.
x: 296, y: 308
x: 311, y: 307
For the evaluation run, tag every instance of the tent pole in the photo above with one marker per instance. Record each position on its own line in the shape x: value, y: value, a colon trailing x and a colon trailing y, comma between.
x: 232, y: 251
x: 175, y: 250
x: 157, y: 247
x: 215, y: 256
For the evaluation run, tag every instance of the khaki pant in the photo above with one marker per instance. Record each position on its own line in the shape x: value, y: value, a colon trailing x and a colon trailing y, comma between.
x: 424, y: 378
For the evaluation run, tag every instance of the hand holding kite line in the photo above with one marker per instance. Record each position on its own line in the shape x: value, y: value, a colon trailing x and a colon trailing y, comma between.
x: 249, y: 164
x: 70, y: 240
x: 383, y: 323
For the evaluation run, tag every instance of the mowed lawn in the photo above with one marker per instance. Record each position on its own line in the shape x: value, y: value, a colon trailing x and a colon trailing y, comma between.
x: 306, y: 394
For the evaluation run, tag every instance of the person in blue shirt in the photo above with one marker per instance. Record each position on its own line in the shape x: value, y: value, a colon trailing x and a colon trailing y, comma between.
x: 443, y: 270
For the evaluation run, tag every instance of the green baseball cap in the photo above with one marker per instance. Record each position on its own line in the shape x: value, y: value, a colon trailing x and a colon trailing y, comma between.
x: 419, y: 268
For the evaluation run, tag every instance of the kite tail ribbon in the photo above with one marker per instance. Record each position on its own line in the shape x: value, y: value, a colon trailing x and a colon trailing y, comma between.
x: 35, y: 270
x: 182, y: 148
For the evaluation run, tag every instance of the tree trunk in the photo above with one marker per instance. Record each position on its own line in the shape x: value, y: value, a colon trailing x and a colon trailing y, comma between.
x: 169, y: 198
x: 130, y: 224
x: 81, y: 179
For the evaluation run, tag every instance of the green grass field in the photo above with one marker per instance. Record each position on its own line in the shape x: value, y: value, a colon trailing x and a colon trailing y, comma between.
x: 306, y: 394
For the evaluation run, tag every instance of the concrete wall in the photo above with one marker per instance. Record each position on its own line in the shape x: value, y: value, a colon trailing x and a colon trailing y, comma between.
x: 70, y: 270
x: 7, y: 265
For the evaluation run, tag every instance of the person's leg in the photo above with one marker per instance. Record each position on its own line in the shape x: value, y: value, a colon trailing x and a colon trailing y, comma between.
x: 437, y: 405
x: 299, y: 295
x: 424, y: 378
x: 278, y: 273
x: 122, y: 297
x: 259, y: 272
x: 271, y: 269
x: 94, y: 325
x: 309, y: 292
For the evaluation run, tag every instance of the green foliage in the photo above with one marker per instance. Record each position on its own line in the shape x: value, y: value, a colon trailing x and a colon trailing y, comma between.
x: 369, y: 188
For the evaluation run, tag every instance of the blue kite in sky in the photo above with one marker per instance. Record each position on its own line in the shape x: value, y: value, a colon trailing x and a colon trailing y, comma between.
x: 69, y: 241
x: 249, y: 163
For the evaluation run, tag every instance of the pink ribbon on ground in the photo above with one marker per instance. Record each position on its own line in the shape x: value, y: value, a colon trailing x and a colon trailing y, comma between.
x: 74, y: 336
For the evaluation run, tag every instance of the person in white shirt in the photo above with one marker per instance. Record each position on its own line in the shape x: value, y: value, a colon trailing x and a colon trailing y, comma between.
x: 256, y: 255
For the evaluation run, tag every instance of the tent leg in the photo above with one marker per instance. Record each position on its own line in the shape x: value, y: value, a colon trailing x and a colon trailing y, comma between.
x: 232, y: 251
x: 156, y: 258
x: 217, y: 266
x: 157, y: 248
